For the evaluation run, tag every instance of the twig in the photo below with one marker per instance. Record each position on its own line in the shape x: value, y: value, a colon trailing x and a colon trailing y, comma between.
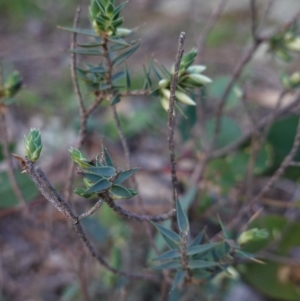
x: 91, y: 211
x: 296, y: 164
x: 83, y: 119
x: 183, y: 255
x: 139, y: 217
x: 285, y: 163
x: 208, y: 28
x: 238, y: 70
x: 254, y: 21
x: 179, y: 54
x: 260, y: 124
x: 47, y: 190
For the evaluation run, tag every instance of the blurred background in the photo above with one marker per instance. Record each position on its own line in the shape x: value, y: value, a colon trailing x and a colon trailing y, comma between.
x: 47, y: 262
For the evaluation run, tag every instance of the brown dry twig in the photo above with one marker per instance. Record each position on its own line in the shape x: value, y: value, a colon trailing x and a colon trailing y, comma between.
x: 171, y: 124
x: 53, y: 196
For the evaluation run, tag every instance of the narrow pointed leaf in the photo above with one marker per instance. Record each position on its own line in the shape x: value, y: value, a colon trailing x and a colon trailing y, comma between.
x: 92, y: 176
x: 99, y: 186
x: 124, y: 56
x: 86, y: 32
x: 104, y: 86
x: 118, y: 40
x: 90, y: 45
x: 148, y: 82
x: 168, y: 255
x: 124, y: 175
x: 201, y: 248
x: 85, y: 51
x: 167, y: 233
x: 179, y: 277
x: 117, y: 47
x: 107, y: 158
x: 201, y: 264
x: 159, y: 77
x: 167, y: 265
x: 98, y: 69
x: 197, y: 240
x: 182, y: 221
x: 127, y: 78
x: 116, y: 99
x: 224, y: 230
x: 118, y: 76
x: 120, y: 191
x: 120, y: 7
x: 106, y: 171
x: 164, y: 71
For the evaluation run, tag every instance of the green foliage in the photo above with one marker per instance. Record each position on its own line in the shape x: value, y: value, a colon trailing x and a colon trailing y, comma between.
x: 284, y: 44
x: 33, y: 145
x: 274, y: 279
x: 100, y: 176
x: 203, y: 260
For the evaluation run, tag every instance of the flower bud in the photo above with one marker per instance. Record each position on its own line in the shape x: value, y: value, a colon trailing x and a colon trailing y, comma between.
x: 164, y: 83
x: 199, y: 79
x: 196, y: 69
x: 33, y: 145
x: 252, y: 235
x: 123, y: 32
x: 78, y: 158
x: 184, y: 98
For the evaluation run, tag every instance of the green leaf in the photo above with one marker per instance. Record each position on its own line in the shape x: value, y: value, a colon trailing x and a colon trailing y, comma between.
x: 197, y: 240
x: 86, y: 32
x: 167, y: 265
x: 120, y: 191
x: 99, y: 186
x: 117, y: 40
x: 106, y: 171
x: 107, y: 158
x: 116, y: 99
x: 201, y: 264
x: 188, y: 198
x: 159, y: 77
x: 178, y: 279
x: 124, y: 56
x: 201, y: 248
x: 124, y: 175
x: 82, y: 192
x: 224, y: 230
x: 118, y: 76
x: 98, y: 69
x: 167, y: 233
x: 120, y: 7
x: 90, y: 45
x: 148, y: 82
x: 127, y: 78
x: 85, y: 51
x: 168, y: 255
x: 117, y: 47
x: 182, y: 220
x: 92, y: 176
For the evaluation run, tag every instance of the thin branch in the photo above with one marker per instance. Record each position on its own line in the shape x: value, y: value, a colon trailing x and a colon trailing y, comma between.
x: 260, y: 124
x: 48, y: 191
x: 254, y: 20
x: 183, y: 255
x: 91, y: 211
x: 179, y: 54
x: 208, y: 28
x: 139, y: 217
x: 285, y: 163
